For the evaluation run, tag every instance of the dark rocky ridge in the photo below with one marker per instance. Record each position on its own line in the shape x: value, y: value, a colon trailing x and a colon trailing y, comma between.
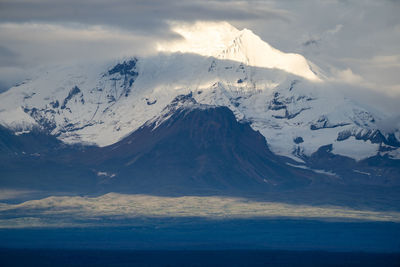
x: 196, y: 151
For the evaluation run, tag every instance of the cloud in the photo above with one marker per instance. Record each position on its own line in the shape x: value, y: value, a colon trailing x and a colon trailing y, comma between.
x: 9, y: 76
x: 66, y: 41
x: 390, y: 124
x: 335, y: 30
x: 379, y: 72
x: 7, y: 57
x: 324, y: 37
x: 26, y: 46
x: 143, y: 16
x: 388, y: 61
x: 347, y: 76
x: 9, y: 194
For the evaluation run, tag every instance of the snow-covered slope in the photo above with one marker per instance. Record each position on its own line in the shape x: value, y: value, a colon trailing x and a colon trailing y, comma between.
x: 285, y: 99
x: 223, y: 41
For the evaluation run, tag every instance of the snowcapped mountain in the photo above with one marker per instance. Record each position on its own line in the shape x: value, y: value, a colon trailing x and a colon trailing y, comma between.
x: 282, y: 95
x: 223, y: 41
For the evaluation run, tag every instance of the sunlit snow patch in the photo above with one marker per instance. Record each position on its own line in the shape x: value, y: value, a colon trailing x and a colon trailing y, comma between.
x: 223, y: 41
x: 120, y: 208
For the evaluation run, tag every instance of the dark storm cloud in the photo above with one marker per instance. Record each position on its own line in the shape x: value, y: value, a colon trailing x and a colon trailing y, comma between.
x: 147, y: 16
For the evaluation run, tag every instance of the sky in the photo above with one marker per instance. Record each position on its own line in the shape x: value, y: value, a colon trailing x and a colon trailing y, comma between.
x: 356, y: 42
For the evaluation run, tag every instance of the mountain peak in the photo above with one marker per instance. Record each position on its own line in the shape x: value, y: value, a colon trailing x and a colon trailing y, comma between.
x: 223, y: 41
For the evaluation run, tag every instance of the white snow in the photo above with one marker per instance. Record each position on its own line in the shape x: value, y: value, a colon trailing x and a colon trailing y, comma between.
x: 365, y: 173
x: 223, y: 41
x: 15, y: 118
x: 22, y: 132
x: 394, y: 154
x: 106, y: 174
x: 314, y: 170
x: 298, y: 166
x: 229, y: 68
x: 357, y: 149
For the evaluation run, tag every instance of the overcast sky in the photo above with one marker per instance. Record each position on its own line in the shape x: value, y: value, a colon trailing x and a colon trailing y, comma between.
x: 356, y: 41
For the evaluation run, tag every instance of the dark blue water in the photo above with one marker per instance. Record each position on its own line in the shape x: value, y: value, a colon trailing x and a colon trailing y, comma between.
x: 193, y: 258
x: 200, y: 234
x: 199, y: 242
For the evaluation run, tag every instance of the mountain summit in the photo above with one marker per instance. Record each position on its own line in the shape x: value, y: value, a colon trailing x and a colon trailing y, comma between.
x: 223, y: 41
